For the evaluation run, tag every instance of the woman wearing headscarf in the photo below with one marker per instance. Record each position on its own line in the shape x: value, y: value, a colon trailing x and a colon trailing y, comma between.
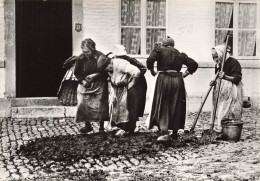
x: 124, y: 93
x: 169, y: 101
x: 230, y: 100
x: 119, y: 52
x: 92, y: 92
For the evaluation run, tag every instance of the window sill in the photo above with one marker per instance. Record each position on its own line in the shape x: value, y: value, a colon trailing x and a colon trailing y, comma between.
x: 252, y: 63
x: 246, y: 58
x: 2, y: 64
x: 246, y: 63
x: 249, y: 64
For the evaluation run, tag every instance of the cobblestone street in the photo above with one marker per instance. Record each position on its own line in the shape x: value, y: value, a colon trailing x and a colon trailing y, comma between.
x: 217, y: 161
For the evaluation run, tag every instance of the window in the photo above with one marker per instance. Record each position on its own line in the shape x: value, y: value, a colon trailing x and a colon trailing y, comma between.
x: 238, y: 19
x: 143, y: 23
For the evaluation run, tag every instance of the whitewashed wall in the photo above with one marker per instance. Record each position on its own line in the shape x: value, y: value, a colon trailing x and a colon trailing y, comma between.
x: 190, y: 23
x: 2, y: 49
x: 101, y: 23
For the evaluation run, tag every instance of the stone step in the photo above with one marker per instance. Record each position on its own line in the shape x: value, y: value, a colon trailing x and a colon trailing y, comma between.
x: 43, y: 111
x: 35, y: 101
x: 51, y: 107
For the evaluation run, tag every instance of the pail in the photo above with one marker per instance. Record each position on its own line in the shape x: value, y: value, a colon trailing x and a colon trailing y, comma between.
x: 232, y: 130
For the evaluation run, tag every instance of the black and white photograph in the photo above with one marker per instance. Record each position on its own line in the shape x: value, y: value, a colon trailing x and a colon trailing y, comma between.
x: 129, y: 90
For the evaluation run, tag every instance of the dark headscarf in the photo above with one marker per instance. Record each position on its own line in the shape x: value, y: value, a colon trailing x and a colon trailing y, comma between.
x: 168, y: 42
x: 89, y: 43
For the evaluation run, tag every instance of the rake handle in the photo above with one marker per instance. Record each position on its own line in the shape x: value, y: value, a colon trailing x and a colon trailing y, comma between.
x: 202, y: 104
x: 221, y: 69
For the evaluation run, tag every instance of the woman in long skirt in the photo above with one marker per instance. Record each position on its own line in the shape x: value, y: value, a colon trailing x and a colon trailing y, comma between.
x: 124, y: 94
x: 137, y: 96
x: 230, y: 100
x: 169, y: 102
x: 92, y: 92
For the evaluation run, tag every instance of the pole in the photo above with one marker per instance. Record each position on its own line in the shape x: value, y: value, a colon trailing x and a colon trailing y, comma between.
x: 221, y: 69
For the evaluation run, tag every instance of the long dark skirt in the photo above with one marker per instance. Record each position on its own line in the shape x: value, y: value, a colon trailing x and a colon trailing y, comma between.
x: 141, y: 89
x: 136, y: 98
x: 169, y: 103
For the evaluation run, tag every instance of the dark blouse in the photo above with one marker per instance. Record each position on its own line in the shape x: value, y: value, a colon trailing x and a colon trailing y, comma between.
x: 169, y: 58
x: 232, y: 68
x: 86, y: 65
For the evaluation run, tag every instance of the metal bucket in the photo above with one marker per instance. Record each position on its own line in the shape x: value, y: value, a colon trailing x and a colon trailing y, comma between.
x: 232, y: 130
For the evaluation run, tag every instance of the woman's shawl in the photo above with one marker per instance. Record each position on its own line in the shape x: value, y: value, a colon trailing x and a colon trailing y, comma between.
x: 86, y: 65
x: 123, y: 71
x: 134, y: 62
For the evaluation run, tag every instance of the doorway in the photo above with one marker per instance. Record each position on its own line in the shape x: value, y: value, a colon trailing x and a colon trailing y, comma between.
x: 43, y: 43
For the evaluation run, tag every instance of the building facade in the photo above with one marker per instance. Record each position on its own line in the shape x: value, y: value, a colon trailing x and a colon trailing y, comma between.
x: 195, y: 25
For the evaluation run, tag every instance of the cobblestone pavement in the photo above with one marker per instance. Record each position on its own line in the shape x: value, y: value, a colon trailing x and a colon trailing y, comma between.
x: 219, y: 161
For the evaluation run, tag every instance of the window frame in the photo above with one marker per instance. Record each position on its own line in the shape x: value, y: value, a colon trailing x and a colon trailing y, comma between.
x: 236, y: 29
x: 143, y: 27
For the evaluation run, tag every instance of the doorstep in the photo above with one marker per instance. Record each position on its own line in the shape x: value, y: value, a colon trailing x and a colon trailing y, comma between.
x: 46, y: 107
x: 40, y: 107
x: 43, y: 112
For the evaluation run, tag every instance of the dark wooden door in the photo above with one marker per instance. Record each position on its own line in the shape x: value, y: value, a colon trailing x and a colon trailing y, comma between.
x: 43, y: 42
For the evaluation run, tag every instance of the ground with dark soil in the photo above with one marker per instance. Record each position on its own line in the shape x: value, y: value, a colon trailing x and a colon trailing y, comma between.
x: 55, y: 150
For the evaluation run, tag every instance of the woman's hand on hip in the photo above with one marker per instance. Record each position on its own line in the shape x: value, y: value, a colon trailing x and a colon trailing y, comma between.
x: 153, y: 72
x: 185, y: 74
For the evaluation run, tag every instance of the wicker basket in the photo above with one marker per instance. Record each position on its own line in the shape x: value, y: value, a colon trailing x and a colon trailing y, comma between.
x: 67, y: 92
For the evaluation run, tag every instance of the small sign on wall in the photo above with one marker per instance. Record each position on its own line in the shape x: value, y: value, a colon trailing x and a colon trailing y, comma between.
x: 2, y: 64
x: 78, y: 27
